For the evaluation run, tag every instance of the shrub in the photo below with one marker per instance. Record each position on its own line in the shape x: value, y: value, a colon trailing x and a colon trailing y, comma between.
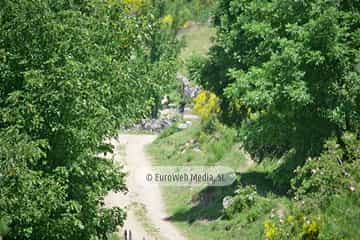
x: 320, y: 178
x: 167, y: 20
x: 245, y: 198
x: 271, y: 230
x: 262, y: 206
x: 327, y: 190
x: 194, y: 66
x: 206, y: 104
x: 293, y: 227
x: 194, y: 10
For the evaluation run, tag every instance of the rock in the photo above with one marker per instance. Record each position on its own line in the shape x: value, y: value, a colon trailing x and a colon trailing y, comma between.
x: 187, y: 89
x: 153, y: 124
x: 227, y: 201
x: 165, y: 101
x: 192, y: 141
x: 167, y: 117
x: 182, y: 125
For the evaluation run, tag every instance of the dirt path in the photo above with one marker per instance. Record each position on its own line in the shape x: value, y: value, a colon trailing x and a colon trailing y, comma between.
x: 146, y: 212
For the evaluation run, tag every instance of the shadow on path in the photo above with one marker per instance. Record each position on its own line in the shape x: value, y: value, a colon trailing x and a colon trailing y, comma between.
x: 208, y: 203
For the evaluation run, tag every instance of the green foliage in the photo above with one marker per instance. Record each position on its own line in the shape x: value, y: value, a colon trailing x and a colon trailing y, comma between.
x: 244, y: 198
x: 221, y: 144
x: 4, y: 228
x: 326, y: 194
x: 194, y: 65
x: 293, y: 64
x: 294, y: 227
x: 322, y: 178
x: 208, y: 127
x: 337, y: 221
x: 286, y: 73
x: 71, y: 73
x: 198, y: 143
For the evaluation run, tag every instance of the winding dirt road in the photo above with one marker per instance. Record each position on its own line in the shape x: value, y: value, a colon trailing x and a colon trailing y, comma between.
x: 146, y: 216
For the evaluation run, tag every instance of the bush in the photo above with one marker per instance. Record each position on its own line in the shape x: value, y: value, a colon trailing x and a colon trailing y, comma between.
x: 194, y: 66
x: 339, y: 220
x: 245, y: 198
x: 206, y: 104
x: 210, y: 125
x: 327, y: 198
x: 293, y: 227
x: 323, y: 177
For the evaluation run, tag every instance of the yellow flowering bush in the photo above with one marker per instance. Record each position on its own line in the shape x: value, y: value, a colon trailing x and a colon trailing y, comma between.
x: 167, y: 20
x: 206, y: 104
x: 311, y: 230
x: 296, y: 226
x: 271, y: 231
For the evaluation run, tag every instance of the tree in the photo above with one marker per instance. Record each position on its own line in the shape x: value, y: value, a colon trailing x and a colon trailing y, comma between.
x: 71, y: 73
x: 286, y: 70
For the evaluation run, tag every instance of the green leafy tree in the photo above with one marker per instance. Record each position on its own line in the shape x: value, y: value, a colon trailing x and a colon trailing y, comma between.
x: 291, y: 65
x: 71, y: 73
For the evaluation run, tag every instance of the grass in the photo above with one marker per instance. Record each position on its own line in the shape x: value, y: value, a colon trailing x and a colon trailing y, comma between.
x: 197, y: 39
x: 342, y: 218
x: 197, y: 211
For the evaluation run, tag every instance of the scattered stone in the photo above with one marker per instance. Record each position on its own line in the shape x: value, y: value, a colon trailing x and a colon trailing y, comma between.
x: 167, y: 117
x: 155, y: 125
x: 187, y: 89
